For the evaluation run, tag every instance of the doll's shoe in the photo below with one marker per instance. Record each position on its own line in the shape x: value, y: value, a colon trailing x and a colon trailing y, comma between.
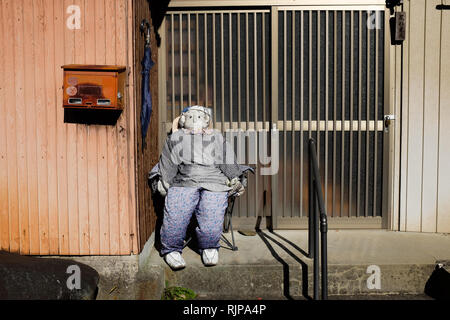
x: 175, y: 260
x: 210, y: 257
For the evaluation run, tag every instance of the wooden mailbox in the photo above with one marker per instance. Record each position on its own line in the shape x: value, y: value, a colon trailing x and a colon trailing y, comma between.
x: 94, y: 87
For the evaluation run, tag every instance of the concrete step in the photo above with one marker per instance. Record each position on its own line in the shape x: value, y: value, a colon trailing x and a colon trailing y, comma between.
x: 275, y: 266
x: 293, y: 281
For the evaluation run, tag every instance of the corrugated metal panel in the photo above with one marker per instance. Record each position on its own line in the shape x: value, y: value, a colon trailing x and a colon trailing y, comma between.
x: 425, y: 175
x: 65, y: 189
x: 327, y: 83
x: 218, y: 59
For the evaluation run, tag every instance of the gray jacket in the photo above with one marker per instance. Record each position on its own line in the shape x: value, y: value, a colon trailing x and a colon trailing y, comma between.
x: 203, y: 160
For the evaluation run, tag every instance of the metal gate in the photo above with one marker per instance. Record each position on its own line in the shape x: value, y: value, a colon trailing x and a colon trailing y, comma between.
x: 310, y: 71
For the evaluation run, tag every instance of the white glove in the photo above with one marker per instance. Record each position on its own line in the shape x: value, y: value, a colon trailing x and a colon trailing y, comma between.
x: 163, y: 187
x: 237, y: 189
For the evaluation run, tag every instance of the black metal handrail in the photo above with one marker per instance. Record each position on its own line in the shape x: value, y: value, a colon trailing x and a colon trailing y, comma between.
x: 316, y: 197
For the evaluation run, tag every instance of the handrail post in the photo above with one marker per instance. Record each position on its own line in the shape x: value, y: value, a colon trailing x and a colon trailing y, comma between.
x: 324, y: 257
x: 317, y: 215
x: 312, y: 210
x: 316, y: 246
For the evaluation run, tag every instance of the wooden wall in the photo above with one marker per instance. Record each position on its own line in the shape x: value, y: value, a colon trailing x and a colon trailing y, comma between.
x: 148, y: 155
x: 65, y: 189
x: 425, y: 138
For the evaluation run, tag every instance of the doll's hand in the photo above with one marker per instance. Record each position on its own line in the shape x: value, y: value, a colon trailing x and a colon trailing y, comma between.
x: 237, y: 187
x: 163, y: 187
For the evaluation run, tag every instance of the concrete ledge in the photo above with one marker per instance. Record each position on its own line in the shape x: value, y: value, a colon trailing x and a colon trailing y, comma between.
x: 294, y: 281
x: 273, y: 265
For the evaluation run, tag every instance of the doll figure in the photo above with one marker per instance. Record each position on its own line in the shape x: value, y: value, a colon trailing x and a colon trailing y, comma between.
x: 197, y: 173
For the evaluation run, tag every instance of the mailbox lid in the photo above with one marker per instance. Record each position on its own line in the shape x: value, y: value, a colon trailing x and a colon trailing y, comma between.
x: 83, y: 67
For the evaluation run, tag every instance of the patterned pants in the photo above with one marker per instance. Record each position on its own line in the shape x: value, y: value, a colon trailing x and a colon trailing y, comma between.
x: 181, y: 203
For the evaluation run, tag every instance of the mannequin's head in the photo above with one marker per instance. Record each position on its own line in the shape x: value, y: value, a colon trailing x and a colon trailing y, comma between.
x: 195, y: 118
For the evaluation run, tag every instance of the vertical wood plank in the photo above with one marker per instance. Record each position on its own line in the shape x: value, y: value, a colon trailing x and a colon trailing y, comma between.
x: 4, y: 205
x: 138, y: 47
x: 88, y: 137
x: 132, y: 125
x: 20, y: 111
x: 30, y: 104
x: 102, y: 158
x: 113, y: 205
x: 431, y: 116
x: 443, y: 210
x: 415, y: 117
x: 40, y: 117
x: 81, y: 138
x: 11, y: 145
x: 52, y: 125
x: 71, y: 141
x: 123, y: 130
x: 64, y: 219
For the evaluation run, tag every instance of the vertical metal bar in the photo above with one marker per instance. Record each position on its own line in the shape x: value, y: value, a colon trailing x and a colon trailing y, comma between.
x: 274, y: 28
x: 222, y: 73
x: 239, y: 67
x: 326, y: 105
x: 189, y: 58
x: 181, y: 65
x: 334, y: 114
x: 173, y: 66
x: 302, y: 51
x: 198, y: 58
x: 214, y: 69
x: 264, y: 103
x: 164, y: 77
x: 284, y: 108
x: 238, y: 61
x: 255, y: 71
x: 247, y: 88
x: 367, y: 120
x: 343, y: 117
x: 255, y: 68
x: 293, y: 115
x: 230, y: 33
x: 206, y: 59
x: 350, y: 183
x: 358, y: 193
x: 247, y: 91
x: 377, y: 13
x: 319, y: 86
x: 310, y: 75
x: 263, y: 76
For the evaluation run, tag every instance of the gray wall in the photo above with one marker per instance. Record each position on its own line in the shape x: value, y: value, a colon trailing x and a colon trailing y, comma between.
x: 424, y: 164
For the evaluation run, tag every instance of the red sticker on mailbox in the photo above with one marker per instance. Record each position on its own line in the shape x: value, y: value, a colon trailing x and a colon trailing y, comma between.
x: 71, y: 91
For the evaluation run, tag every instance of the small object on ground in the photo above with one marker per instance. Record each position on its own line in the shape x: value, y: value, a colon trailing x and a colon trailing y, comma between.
x: 438, y: 285
x: 248, y: 233
x: 113, y: 289
x: 210, y: 257
x: 175, y: 260
x: 30, y: 278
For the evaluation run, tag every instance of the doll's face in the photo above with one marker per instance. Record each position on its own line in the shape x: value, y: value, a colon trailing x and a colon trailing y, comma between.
x: 195, y: 120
